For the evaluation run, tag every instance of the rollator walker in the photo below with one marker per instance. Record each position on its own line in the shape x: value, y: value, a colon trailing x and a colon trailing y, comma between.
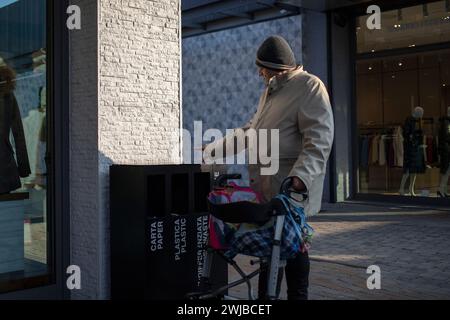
x: 277, y: 229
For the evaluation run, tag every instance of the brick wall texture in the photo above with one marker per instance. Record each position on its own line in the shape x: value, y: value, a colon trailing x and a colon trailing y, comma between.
x: 125, y: 109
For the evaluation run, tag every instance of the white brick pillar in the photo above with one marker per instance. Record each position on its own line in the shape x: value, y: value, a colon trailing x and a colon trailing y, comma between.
x: 125, y: 109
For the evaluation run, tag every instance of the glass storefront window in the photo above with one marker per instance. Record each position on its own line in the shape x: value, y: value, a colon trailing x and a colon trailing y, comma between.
x: 406, y: 27
x: 24, y: 237
x: 402, y: 151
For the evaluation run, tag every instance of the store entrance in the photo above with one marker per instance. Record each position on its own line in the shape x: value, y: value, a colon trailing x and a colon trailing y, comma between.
x: 403, y: 103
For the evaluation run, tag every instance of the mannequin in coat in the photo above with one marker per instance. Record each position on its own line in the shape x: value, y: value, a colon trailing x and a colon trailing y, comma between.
x: 13, y: 163
x: 444, y: 151
x: 411, y: 168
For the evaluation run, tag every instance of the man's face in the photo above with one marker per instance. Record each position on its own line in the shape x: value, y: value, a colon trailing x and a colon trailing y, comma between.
x: 267, y: 74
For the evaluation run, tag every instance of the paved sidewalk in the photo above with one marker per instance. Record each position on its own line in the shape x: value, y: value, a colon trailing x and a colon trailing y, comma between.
x: 410, y: 245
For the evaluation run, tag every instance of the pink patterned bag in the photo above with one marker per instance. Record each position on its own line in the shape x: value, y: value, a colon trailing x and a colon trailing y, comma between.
x: 221, y: 233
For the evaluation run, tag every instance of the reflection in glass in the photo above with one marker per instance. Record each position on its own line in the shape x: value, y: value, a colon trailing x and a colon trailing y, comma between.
x: 403, y: 107
x: 23, y: 142
x: 406, y: 27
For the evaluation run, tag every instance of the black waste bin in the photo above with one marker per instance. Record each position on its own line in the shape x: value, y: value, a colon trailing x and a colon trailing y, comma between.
x: 159, y: 229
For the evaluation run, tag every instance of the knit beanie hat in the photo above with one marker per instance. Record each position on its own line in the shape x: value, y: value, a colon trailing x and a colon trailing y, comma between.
x: 276, y: 54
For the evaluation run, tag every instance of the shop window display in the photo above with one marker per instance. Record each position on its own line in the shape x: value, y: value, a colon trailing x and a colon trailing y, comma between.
x: 403, y: 108
x: 403, y: 102
x: 24, y: 239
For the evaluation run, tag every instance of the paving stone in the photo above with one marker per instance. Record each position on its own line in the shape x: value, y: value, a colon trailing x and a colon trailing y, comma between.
x: 411, y: 246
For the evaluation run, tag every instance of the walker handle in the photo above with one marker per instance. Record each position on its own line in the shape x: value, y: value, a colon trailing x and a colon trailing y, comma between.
x: 287, y: 191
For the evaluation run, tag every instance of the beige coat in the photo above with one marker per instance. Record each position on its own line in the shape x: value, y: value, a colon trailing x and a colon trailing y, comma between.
x: 297, y: 104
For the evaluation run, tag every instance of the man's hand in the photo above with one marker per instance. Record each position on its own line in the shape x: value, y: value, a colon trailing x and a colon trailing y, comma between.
x: 298, y: 184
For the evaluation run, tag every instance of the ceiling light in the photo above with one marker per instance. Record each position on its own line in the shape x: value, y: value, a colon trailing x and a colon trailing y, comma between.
x: 400, y: 64
x: 370, y: 68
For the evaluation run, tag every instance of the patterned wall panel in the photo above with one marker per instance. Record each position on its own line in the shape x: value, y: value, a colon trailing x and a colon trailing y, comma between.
x: 221, y: 85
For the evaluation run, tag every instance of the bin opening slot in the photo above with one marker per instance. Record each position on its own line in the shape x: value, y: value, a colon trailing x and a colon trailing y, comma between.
x: 180, y: 193
x: 156, y: 206
x: 202, y: 186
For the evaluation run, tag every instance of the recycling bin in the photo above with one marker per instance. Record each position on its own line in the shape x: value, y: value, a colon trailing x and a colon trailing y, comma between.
x: 159, y: 231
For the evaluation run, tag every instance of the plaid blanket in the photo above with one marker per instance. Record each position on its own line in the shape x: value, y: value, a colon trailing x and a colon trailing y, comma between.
x: 296, y: 237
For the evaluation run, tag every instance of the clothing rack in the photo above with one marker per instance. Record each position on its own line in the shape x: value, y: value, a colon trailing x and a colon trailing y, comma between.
x: 379, y: 129
x: 388, y: 125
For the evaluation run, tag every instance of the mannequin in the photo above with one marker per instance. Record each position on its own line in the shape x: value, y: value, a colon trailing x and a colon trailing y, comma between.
x: 14, y: 164
x: 444, y: 152
x: 414, y: 161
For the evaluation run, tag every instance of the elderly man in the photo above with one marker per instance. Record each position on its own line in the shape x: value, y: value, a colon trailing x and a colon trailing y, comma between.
x: 297, y: 104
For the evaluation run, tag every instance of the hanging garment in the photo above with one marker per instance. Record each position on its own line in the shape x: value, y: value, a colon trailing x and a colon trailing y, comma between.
x: 424, y: 149
x: 11, y: 168
x: 430, y: 150
x: 387, y: 148
x: 41, y: 166
x: 435, y: 150
x: 414, y: 157
x: 375, y: 150
x: 364, y: 152
x: 32, y: 124
x: 369, y: 157
x: 390, y: 153
x: 382, y: 151
x: 398, y: 146
x: 444, y: 143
